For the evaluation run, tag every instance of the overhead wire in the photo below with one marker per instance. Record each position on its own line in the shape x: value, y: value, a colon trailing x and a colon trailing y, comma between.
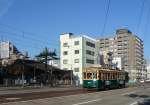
x: 22, y: 39
x: 25, y: 34
x: 147, y: 21
x: 27, y: 39
x: 141, y: 15
x: 106, y: 17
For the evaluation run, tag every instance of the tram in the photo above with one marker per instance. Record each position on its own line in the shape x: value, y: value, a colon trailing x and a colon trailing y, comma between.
x: 104, y: 78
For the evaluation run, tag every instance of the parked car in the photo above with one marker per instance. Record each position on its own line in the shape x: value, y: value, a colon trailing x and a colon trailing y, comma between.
x: 142, y: 81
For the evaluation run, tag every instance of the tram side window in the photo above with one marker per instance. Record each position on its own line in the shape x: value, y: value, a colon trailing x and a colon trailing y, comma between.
x: 108, y: 76
x: 124, y: 76
x: 121, y: 76
x: 103, y: 76
x: 99, y: 75
x: 89, y: 75
x: 118, y: 75
x: 115, y: 76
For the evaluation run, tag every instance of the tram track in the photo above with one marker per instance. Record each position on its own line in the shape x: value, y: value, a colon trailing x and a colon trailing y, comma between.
x: 39, y: 95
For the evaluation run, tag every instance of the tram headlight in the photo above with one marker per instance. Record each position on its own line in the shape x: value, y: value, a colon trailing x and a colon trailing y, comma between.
x: 94, y: 79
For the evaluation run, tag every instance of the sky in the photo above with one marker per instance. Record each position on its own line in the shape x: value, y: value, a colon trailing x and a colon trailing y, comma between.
x: 33, y: 24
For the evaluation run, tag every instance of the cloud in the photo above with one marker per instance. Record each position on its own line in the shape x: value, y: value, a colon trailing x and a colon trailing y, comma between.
x: 4, y: 7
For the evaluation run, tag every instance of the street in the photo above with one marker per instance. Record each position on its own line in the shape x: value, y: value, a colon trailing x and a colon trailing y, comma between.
x: 126, y: 96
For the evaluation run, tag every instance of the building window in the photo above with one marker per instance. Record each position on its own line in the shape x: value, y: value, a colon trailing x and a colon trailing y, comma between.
x: 65, y: 44
x: 65, y: 53
x: 76, y: 69
x: 76, y: 43
x: 65, y: 61
x: 76, y: 61
x: 76, y: 51
x: 90, y: 52
x: 90, y: 61
x: 90, y: 44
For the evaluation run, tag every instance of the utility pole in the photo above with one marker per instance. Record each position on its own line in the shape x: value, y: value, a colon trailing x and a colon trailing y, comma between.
x: 22, y: 74
x: 51, y: 79
x: 71, y: 76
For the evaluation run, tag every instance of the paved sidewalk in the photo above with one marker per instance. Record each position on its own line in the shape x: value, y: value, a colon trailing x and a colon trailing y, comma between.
x: 19, y: 90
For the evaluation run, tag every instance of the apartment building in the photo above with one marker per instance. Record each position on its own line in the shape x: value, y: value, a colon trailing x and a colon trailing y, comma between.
x: 77, y: 52
x: 129, y: 48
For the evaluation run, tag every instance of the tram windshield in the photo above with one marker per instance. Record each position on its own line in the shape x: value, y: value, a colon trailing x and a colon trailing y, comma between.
x: 94, y: 75
x: 90, y: 75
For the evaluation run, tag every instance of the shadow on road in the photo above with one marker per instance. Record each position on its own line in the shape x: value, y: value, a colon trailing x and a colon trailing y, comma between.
x: 145, y: 102
x: 136, y: 95
x: 146, y: 98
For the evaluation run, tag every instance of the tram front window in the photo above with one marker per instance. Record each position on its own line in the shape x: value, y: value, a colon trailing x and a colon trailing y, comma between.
x: 84, y: 75
x: 89, y: 75
x: 94, y: 75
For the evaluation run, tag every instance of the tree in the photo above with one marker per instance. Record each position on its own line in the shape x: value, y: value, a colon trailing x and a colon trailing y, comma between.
x: 46, y: 56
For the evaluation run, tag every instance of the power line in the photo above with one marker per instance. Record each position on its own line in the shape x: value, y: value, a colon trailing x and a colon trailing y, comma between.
x: 26, y: 37
x: 24, y: 34
x: 106, y: 17
x: 141, y: 14
x: 147, y: 20
x: 21, y: 41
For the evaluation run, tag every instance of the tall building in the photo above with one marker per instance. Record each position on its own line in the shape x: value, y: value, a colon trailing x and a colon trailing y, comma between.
x: 77, y: 52
x: 129, y: 48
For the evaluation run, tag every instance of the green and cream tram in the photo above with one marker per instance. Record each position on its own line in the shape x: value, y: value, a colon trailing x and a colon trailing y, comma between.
x: 100, y: 78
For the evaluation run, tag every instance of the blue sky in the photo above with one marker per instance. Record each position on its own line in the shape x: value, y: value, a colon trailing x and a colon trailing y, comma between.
x: 33, y: 24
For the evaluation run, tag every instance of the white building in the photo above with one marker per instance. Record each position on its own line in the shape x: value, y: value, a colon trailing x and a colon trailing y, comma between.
x: 9, y: 53
x: 55, y: 63
x: 7, y: 49
x: 148, y: 71
x: 77, y: 52
x: 118, y: 62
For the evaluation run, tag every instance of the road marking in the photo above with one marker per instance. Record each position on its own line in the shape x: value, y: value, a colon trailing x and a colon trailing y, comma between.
x: 128, y: 93
x: 137, y: 102
x: 87, y: 102
x: 12, y: 99
x: 134, y: 103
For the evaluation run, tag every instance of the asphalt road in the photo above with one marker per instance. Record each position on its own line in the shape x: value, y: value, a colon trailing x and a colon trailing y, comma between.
x: 128, y: 96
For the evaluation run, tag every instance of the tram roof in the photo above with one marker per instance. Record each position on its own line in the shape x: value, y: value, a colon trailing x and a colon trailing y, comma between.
x: 102, y: 69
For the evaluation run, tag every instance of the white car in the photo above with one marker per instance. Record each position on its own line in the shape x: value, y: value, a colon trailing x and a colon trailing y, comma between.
x: 147, y: 80
x: 142, y: 81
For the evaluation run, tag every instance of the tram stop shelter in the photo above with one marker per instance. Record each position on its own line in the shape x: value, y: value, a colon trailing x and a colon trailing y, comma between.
x: 31, y: 72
